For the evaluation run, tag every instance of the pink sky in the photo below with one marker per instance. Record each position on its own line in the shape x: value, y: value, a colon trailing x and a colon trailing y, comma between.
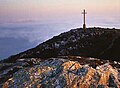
x: 60, y: 10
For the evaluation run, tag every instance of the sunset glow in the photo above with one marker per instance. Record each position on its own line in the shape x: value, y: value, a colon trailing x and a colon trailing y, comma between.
x: 12, y: 10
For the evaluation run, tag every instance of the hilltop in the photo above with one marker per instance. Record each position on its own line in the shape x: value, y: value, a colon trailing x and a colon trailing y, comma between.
x: 102, y: 44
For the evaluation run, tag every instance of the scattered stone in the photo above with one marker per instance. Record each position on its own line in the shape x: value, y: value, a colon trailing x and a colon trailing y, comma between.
x: 64, y: 73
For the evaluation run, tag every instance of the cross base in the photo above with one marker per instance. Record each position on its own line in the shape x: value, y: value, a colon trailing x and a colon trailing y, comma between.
x: 84, y: 27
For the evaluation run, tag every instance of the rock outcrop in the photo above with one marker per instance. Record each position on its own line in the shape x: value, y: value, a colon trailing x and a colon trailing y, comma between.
x: 65, y: 73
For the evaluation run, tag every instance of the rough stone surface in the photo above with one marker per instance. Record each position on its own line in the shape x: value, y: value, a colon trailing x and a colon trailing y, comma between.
x: 65, y: 73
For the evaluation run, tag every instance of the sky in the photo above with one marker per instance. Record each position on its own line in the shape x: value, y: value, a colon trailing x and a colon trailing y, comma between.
x: 59, y: 10
x: 27, y: 23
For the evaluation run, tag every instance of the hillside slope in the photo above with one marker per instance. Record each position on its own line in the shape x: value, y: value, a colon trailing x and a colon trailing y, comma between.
x: 96, y: 42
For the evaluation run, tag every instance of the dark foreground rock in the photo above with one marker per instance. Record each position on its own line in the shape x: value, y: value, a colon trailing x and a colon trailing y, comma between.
x: 66, y: 72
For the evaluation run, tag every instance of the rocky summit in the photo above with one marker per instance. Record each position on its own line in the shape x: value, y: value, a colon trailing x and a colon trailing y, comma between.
x: 64, y: 62
x: 66, y: 72
x: 95, y: 42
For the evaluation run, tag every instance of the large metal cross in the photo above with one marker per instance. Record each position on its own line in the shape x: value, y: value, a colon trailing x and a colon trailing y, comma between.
x: 84, y: 25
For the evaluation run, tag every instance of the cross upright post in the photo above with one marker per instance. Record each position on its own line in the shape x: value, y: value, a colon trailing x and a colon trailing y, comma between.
x: 84, y: 24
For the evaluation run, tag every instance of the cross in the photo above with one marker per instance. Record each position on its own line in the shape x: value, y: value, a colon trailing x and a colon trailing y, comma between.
x: 84, y: 25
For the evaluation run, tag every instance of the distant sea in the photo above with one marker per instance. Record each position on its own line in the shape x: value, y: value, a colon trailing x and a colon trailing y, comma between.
x: 18, y: 37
